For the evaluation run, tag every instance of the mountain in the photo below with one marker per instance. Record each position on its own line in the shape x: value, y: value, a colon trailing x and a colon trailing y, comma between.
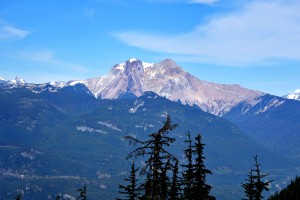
x: 273, y: 122
x: 294, y: 95
x: 16, y: 81
x: 169, y: 80
x: 268, y: 119
x: 54, y: 140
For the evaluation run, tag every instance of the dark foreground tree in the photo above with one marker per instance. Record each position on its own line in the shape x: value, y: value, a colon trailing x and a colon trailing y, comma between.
x: 158, y: 160
x: 194, y: 176
x: 131, y: 190
x: 249, y: 187
x: 188, y: 173
x: 82, y: 193
x: 175, y: 190
x: 18, y: 197
x: 291, y: 192
x: 200, y: 188
x: 255, y: 186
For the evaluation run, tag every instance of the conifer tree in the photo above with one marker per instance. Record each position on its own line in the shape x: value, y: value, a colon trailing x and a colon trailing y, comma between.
x: 194, y: 177
x: 82, y: 193
x: 175, y: 190
x: 158, y: 156
x: 255, y: 186
x: 249, y: 187
x: 189, y: 171
x: 291, y: 192
x: 58, y: 197
x: 165, y: 181
x: 200, y: 189
x: 260, y: 186
x: 131, y: 190
x: 18, y: 197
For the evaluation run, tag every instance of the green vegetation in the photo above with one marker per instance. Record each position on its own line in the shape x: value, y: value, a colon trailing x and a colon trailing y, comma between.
x: 160, y: 164
x: 291, y: 192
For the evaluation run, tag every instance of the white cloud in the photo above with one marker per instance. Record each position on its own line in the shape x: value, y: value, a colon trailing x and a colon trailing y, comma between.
x: 47, y: 57
x: 261, y: 32
x: 7, y: 31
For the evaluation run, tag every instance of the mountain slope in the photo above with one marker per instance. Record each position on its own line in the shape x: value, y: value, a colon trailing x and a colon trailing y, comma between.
x: 273, y: 122
x: 169, y: 80
x: 268, y: 119
x: 57, y: 141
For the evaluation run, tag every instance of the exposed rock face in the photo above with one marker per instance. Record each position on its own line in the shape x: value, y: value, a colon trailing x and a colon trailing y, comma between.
x: 171, y: 81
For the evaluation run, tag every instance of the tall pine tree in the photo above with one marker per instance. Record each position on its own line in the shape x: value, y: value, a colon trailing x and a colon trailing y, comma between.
x: 156, y: 166
x: 260, y: 185
x: 249, y: 187
x: 200, y: 188
x: 188, y: 174
x: 175, y: 190
x: 194, y: 176
x: 131, y: 190
x: 255, y: 186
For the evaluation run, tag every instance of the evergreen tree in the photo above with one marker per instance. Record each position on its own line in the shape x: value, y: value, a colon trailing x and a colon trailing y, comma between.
x: 165, y: 181
x: 194, y: 177
x: 255, y: 186
x: 131, y: 190
x: 249, y: 186
x: 291, y: 192
x: 58, y: 197
x: 174, y: 193
x: 158, y: 156
x: 189, y: 171
x: 82, y: 193
x: 18, y: 197
x: 200, y: 189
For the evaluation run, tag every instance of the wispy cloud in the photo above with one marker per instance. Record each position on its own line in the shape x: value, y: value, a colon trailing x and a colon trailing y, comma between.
x: 8, y: 31
x: 47, y: 57
x: 261, y: 32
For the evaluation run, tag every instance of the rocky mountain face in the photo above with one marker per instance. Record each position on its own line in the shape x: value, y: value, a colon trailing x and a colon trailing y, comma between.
x: 268, y: 119
x: 294, y: 95
x: 169, y: 80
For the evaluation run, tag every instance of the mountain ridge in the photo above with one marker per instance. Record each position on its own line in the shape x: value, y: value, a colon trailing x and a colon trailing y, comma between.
x: 169, y: 80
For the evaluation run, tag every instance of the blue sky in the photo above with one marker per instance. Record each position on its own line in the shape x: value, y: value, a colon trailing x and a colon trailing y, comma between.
x: 254, y: 43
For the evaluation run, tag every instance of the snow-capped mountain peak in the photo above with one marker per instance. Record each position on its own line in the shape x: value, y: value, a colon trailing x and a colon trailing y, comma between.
x: 294, y: 95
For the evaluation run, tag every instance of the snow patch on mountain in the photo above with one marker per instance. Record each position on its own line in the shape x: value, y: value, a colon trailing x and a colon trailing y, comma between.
x: 58, y: 84
x: 89, y: 129
x: 109, y: 125
x: 274, y: 103
x: 138, y: 104
x: 294, y: 95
